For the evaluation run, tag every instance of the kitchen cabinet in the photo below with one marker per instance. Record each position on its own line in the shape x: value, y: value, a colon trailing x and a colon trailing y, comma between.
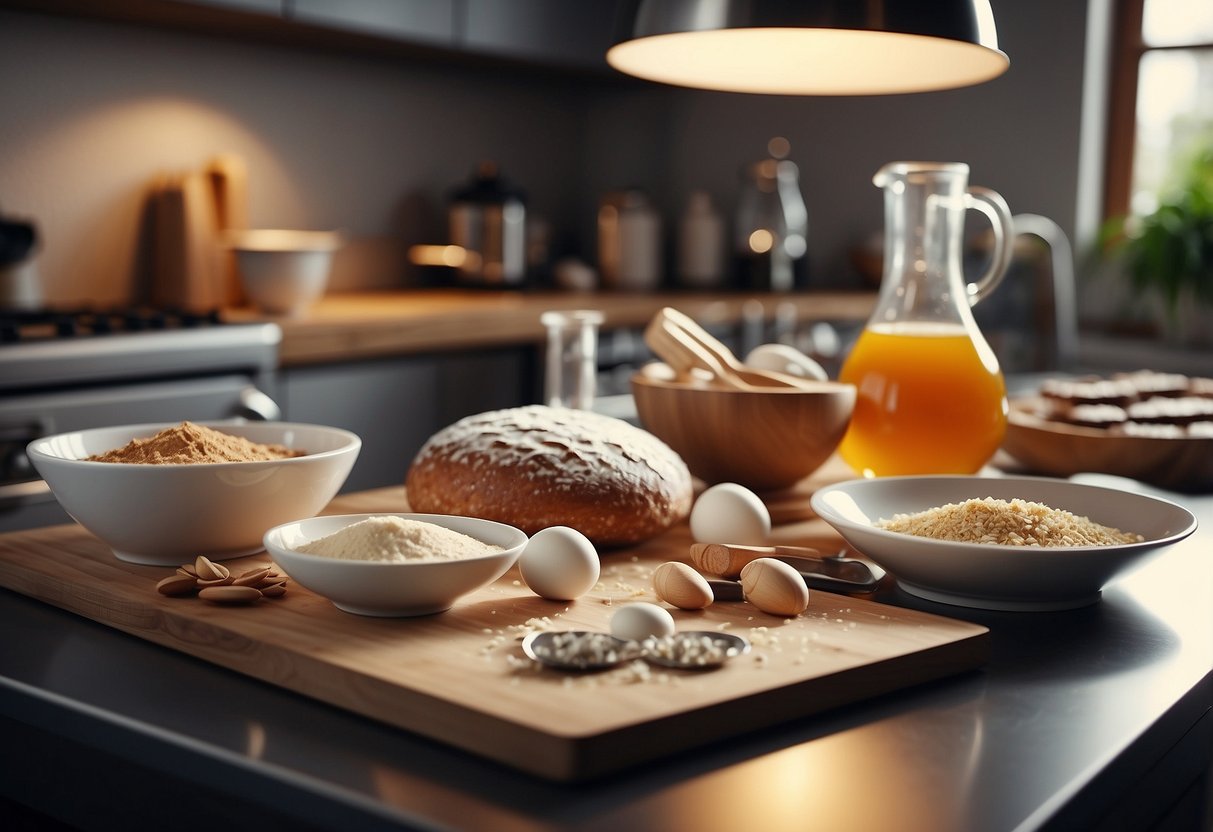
x: 553, y: 32
x: 423, y: 21
x: 395, y: 404
x: 262, y: 6
x: 543, y: 33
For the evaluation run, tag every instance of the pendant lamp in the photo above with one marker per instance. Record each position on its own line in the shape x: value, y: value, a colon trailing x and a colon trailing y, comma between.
x: 812, y: 47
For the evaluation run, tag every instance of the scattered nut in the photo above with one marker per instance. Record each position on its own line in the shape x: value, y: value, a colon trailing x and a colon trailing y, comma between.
x: 230, y: 594
x: 177, y: 585
x: 774, y: 587
x: 680, y: 585
x: 253, y: 577
x: 209, y: 571
x: 215, y: 582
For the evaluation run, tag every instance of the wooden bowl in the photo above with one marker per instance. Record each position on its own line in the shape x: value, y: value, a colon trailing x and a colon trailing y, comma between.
x: 1180, y: 464
x: 763, y: 439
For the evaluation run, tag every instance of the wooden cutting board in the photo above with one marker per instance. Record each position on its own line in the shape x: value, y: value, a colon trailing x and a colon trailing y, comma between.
x: 460, y: 678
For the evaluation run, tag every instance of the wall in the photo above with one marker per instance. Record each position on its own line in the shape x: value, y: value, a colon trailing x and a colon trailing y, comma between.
x: 92, y: 112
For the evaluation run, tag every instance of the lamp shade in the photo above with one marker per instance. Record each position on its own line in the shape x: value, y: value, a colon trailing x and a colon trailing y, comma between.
x: 812, y: 47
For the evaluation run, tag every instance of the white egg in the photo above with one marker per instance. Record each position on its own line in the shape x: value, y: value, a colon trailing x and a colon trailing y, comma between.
x: 638, y: 621
x: 784, y: 359
x: 730, y: 513
x: 559, y: 564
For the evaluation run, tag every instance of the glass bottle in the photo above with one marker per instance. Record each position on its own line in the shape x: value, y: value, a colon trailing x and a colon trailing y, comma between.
x: 772, y: 227
x: 931, y: 397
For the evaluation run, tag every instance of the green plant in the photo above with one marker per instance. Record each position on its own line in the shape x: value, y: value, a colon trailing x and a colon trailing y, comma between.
x: 1171, y: 250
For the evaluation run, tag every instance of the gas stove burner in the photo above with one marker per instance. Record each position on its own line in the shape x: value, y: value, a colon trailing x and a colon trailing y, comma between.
x: 49, y: 324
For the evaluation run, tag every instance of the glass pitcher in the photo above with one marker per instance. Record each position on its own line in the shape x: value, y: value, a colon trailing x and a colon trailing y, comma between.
x: 931, y: 398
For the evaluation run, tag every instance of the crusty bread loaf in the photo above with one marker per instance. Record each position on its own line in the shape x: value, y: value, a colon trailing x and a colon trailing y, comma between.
x: 537, y: 466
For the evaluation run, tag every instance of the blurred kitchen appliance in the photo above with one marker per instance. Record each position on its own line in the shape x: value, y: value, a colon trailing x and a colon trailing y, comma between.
x: 19, y: 283
x: 770, y: 243
x: 487, y: 219
x: 629, y: 242
x: 69, y: 369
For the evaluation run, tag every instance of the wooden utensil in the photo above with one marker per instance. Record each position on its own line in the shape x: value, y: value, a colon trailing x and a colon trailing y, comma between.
x: 727, y: 560
x: 684, y: 354
x: 724, y: 357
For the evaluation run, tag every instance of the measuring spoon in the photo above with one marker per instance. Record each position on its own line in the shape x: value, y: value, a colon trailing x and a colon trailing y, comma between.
x: 579, y: 650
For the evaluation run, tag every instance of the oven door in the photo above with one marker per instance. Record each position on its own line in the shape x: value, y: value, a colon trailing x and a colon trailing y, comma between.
x: 25, y: 500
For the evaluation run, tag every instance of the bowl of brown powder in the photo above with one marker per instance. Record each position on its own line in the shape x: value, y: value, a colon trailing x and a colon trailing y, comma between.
x: 163, y: 494
x: 1004, y: 543
x: 394, y: 565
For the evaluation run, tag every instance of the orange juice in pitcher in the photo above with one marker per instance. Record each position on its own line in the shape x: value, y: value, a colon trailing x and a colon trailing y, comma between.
x: 930, y: 396
x: 929, y: 400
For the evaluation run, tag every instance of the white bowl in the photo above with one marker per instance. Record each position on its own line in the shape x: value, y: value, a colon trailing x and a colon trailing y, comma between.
x: 169, y: 514
x: 392, y: 589
x: 283, y: 272
x: 999, y: 577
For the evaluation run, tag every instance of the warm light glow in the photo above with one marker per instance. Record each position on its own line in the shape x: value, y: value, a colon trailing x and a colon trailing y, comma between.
x: 807, y: 61
x: 761, y: 241
x: 453, y: 256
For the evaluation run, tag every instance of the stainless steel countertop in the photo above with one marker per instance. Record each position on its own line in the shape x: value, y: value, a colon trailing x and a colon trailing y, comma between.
x: 1078, y: 714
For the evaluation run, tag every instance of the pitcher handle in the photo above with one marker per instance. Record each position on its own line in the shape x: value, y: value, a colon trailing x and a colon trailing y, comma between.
x: 995, y: 208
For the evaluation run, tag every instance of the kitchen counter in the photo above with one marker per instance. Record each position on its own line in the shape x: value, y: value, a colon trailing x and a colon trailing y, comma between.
x: 353, y: 325
x: 1092, y: 718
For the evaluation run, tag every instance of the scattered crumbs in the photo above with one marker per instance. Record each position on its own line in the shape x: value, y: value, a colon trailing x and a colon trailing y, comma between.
x: 517, y: 582
x: 760, y: 659
x: 724, y: 625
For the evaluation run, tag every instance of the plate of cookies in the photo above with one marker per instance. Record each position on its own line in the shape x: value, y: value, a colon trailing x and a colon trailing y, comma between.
x: 1149, y: 426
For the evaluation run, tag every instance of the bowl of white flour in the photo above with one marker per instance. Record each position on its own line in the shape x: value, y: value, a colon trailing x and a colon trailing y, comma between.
x: 394, y: 565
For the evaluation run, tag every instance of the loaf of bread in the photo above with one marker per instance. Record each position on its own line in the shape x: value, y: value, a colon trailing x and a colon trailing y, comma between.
x: 537, y: 466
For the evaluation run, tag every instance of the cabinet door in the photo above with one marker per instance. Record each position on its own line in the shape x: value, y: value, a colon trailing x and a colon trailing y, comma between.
x: 561, y: 32
x: 427, y: 21
x: 395, y: 405
x: 274, y: 7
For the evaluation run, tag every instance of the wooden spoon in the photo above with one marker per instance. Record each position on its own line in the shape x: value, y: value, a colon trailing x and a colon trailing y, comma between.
x: 684, y: 354
x: 731, y: 366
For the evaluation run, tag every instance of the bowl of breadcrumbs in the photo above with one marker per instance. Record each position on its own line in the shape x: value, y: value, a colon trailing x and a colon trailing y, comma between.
x: 1004, y: 543
x: 163, y: 494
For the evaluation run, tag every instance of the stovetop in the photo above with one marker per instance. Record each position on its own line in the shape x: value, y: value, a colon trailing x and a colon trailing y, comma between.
x: 50, y: 323
x: 57, y: 347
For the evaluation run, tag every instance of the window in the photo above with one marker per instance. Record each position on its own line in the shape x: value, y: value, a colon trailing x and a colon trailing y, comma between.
x: 1161, y: 113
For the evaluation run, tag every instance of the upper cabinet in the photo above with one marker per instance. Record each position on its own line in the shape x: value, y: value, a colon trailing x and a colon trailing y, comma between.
x: 431, y: 22
x: 556, y: 32
x: 559, y: 34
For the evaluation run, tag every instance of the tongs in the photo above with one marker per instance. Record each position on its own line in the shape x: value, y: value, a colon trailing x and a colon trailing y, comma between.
x: 833, y: 573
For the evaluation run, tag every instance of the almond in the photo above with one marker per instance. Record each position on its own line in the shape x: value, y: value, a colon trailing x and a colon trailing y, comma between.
x: 230, y: 594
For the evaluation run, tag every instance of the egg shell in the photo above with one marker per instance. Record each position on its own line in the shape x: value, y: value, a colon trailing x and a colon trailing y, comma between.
x: 638, y: 621
x: 730, y: 513
x: 559, y: 564
x: 785, y: 359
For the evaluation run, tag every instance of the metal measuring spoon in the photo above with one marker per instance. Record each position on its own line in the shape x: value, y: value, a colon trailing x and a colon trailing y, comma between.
x: 579, y: 650
x: 694, y: 650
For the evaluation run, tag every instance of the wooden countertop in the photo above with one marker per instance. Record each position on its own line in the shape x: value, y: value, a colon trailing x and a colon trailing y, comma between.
x: 344, y: 326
